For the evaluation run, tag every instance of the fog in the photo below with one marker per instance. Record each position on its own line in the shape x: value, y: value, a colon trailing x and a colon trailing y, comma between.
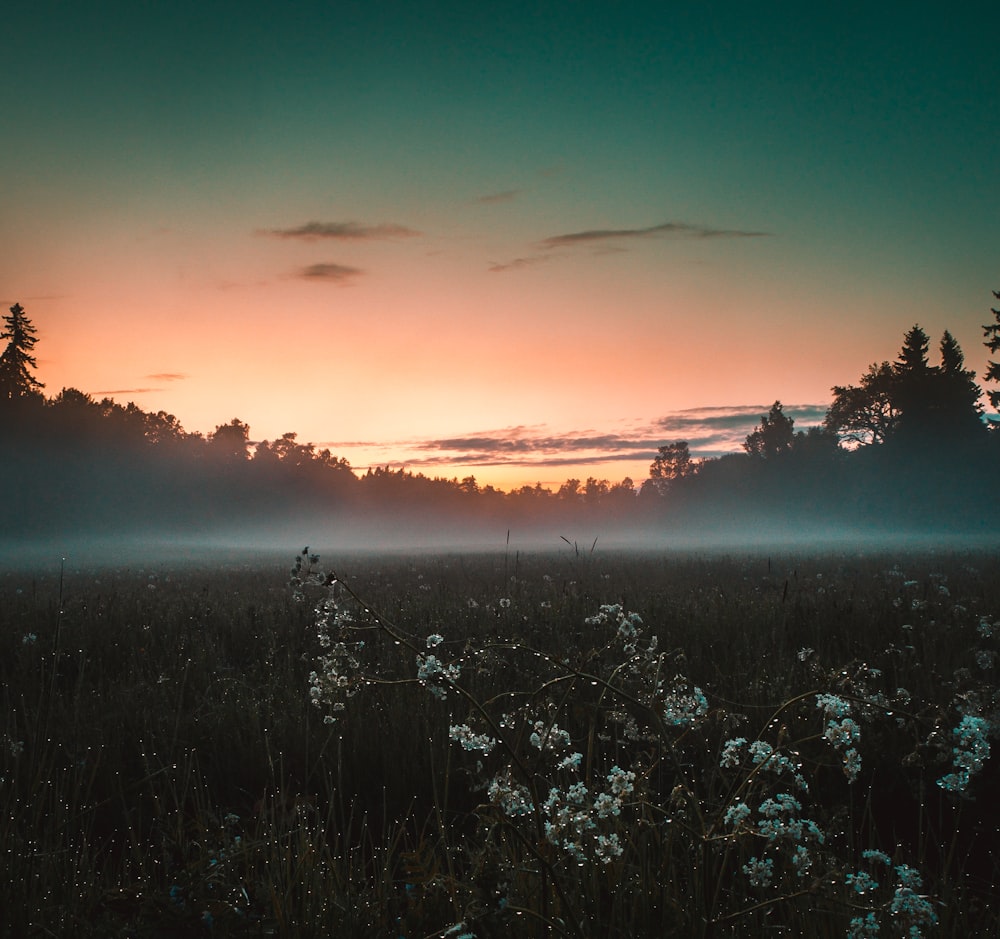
x: 337, y: 540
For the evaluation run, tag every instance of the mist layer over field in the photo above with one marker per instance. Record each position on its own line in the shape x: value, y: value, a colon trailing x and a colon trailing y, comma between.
x: 373, y: 536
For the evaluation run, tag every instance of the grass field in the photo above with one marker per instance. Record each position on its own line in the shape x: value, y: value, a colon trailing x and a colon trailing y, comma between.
x: 495, y: 744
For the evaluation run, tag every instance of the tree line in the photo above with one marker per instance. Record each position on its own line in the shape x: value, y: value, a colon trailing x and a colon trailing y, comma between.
x: 907, y: 446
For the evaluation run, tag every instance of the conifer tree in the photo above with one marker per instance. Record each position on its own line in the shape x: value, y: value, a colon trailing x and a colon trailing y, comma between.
x: 958, y: 397
x: 16, y: 380
x: 992, y: 333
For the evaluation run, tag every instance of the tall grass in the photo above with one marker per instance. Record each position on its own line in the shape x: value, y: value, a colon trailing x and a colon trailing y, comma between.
x: 164, y: 770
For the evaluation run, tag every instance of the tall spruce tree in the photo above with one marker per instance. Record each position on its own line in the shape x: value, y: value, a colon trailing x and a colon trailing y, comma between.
x: 992, y: 333
x: 957, y: 404
x: 16, y: 361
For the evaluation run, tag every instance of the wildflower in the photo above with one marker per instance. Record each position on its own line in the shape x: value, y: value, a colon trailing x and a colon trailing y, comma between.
x: 764, y: 755
x: 606, y: 612
x: 621, y: 781
x: 863, y: 927
x: 914, y: 908
x: 607, y: 805
x: 463, y: 734
x: 549, y: 737
x: 608, y: 847
x: 780, y: 820
x: 852, y: 764
x: 737, y: 813
x: 731, y: 752
x: 841, y: 734
x: 434, y: 640
x: 833, y: 706
x: 435, y: 675
x: 513, y: 798
x: 971, y: 752
x: 760, y: 872
x: 570, y: 762
x: 880, y: 856
x: 683, y: 710
x: 861, y: 882
x: 801, y: 860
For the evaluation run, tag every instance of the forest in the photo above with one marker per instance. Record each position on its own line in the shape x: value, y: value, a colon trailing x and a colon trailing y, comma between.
x: 907, y: 448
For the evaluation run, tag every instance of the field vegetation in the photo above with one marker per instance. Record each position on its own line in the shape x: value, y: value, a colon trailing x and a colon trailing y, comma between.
x: 569, y: 743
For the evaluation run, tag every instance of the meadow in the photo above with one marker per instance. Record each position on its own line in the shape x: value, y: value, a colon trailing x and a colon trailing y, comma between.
x: 575, y: 743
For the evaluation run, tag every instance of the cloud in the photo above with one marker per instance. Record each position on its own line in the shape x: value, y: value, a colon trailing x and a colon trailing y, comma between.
x: 710, y: 432
x: 341, y: 231
x: 111, y: 392
x: 168, y: 376
x: 331, y: 273
x: 717, y: 430
x: 518, y: 263
x: 683, y: 229
x: 524, y: 446
x: 508, y: 195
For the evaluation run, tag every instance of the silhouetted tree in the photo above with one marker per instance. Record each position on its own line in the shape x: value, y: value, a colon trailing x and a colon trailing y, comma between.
x: 865, y: 413
x: 595, y: 491
x: 773, y: 437
x: 957, y: 400
x: 231, y: 441
x: 914, y: 385
x: 992, y: 333
x: 16, y: 381
x: 570, y: 491
x: 671, y: 463
x: 910, y: 400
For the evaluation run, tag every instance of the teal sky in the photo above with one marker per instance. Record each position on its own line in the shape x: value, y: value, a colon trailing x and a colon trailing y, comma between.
x: 409, y: 225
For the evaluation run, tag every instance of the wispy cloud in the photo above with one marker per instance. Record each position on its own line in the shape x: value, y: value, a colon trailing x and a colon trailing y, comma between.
x: 717, y: 430
x: 710, y: 432
x: 508, y: 195
x: 340, y: 274
x: 341, y: 231
x: 168, y: 376
x: 112, y: 392
x: 681, y: 229
x: 519, y: 263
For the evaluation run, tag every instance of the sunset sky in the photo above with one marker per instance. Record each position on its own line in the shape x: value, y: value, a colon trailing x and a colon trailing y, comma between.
x: 524, y: 241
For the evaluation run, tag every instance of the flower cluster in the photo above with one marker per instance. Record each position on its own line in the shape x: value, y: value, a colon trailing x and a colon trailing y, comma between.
x: 629, y: 625
x: 434, y: 675
x: 682, y: 708
x: 512, y: 797
x: 336, y: 677
x: 765, y: 756
x: 469, y: 739
x: 574, y: 817
x: 549, y: 737
x: 909, y: 910
x: 841, y: 731
x: 972, y: 749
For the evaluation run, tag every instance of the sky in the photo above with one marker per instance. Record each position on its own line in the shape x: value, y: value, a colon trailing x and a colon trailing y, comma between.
x: 521, y: 241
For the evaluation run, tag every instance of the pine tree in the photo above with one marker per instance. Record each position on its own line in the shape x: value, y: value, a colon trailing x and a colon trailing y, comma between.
x: 16, y: 381
x: 915, y: 387
x: 958, y: 397
x: 992, y: 333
